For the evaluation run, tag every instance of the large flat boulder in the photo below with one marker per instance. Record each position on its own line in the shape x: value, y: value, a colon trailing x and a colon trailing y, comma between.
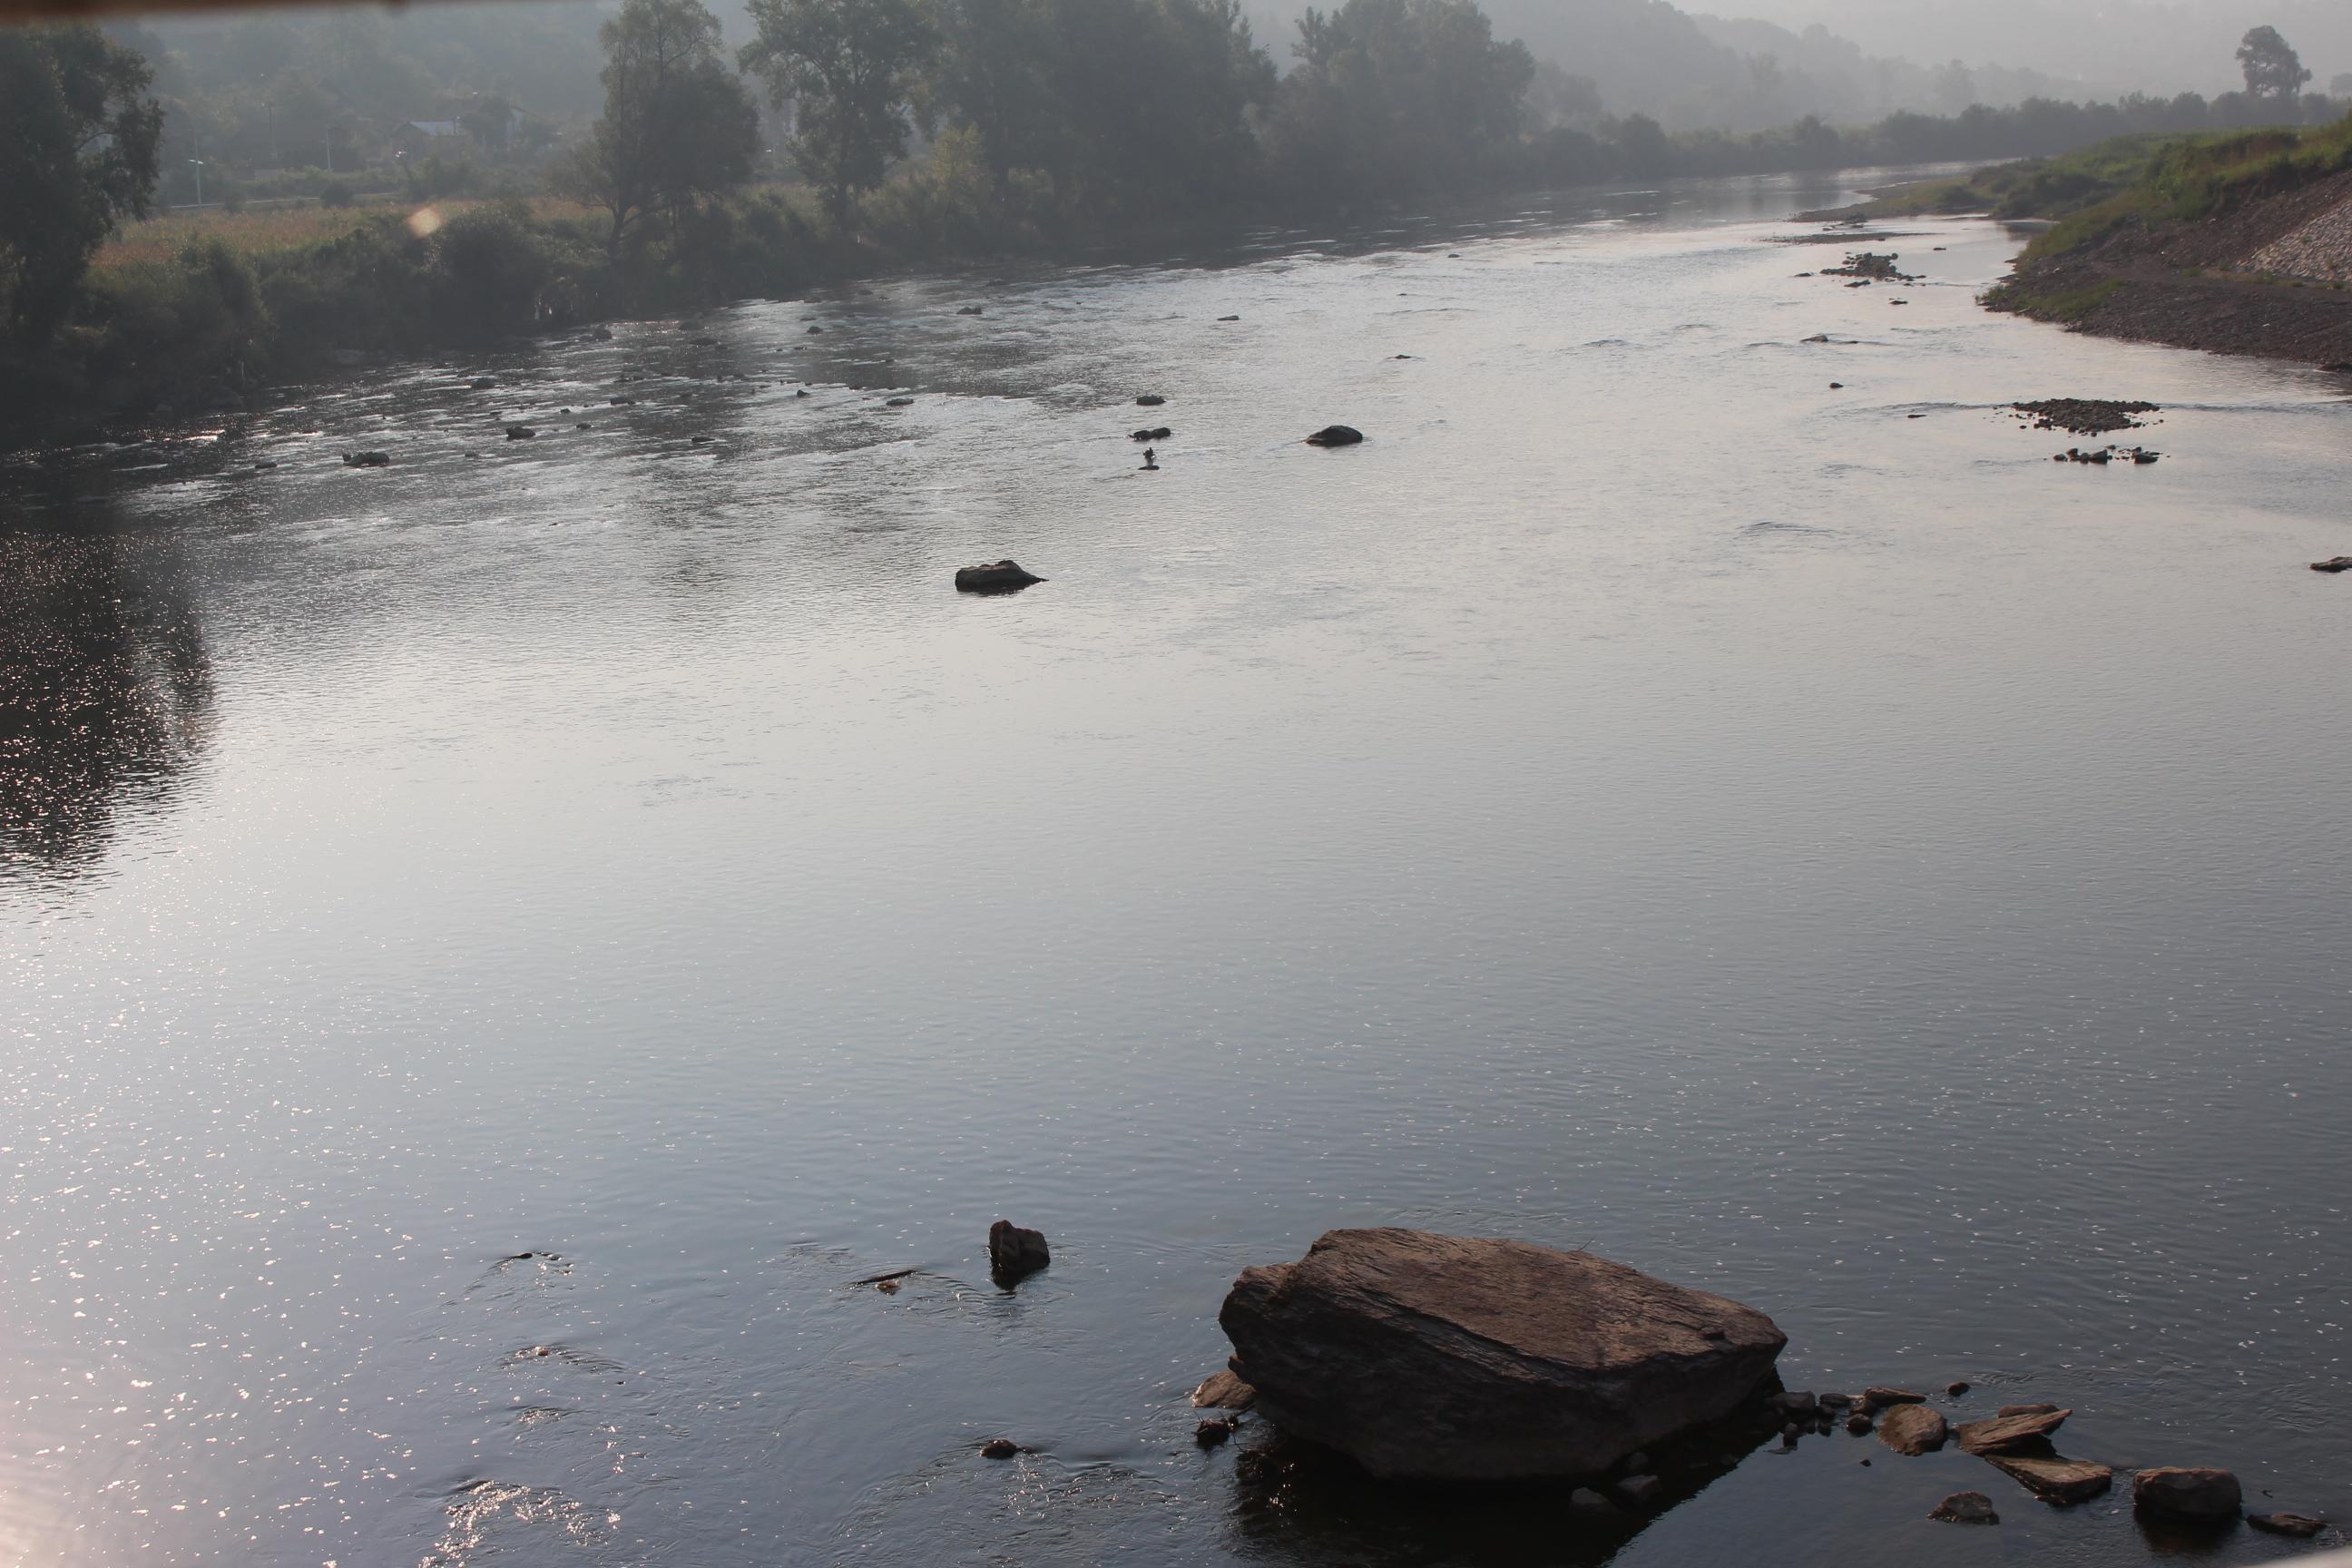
x: 2052, y: 1479
x: 2009, y: 1434
x: 1446, y: 1357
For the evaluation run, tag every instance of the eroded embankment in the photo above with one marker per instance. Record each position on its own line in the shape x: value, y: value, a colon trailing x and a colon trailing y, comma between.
x: 2264, y: 271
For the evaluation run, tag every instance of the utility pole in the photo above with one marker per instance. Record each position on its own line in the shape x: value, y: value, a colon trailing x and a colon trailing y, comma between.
x: 198, y: 165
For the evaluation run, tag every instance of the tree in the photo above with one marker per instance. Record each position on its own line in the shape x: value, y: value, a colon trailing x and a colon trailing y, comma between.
x: 2272, y: 68
x: 77, y: 156
x: 678, y: 125
x: 1402, y: 96
x: 851, y: 70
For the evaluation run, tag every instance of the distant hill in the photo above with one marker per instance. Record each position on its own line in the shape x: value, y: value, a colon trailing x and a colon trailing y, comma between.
x: 1694, y: 72
x: 2152, y: 46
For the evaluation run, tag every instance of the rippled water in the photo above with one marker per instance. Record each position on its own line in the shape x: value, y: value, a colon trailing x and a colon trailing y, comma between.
x: 606, y: 896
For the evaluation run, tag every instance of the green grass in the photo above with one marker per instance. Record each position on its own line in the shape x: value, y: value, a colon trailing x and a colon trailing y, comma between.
x: 2193, y: 177
x: 2065, y: 306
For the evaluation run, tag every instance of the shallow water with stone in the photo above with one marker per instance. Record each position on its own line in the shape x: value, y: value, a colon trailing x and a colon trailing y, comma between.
x: 498, y: 948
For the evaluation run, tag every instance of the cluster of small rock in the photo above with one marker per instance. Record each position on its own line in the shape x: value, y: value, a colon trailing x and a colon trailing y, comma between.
x: 2102, y: 455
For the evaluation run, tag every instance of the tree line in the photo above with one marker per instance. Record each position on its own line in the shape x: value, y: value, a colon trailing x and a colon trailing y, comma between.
x: 920, y: 131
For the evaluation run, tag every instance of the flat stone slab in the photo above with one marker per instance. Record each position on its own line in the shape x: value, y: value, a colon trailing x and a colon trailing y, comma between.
x: 2006, y: 1434
x: 2054, y: 1480
x: 1912, y: 1429
x: 1447, y: 1357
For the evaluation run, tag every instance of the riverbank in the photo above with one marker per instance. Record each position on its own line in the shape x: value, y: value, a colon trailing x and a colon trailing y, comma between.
x: 2238, y: 245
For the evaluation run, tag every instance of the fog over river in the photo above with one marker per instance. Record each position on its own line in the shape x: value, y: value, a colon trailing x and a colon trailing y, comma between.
x: 1800, y: 841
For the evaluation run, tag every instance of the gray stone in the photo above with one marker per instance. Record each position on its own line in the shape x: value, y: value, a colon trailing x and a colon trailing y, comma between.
x: 995, y: 577
x: 1336, y: 436
x: 1436, y: 1356
x: 1641, y: 1491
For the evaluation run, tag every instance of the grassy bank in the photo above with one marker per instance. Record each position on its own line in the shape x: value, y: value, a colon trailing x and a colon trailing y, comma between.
x: 2165, y: 241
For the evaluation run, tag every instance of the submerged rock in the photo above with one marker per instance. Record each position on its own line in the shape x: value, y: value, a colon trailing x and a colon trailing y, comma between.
x: 1436, y: 1356
x: 2005, y: 1434
x: 2054, y: 1480
x: 1965, y: 1508
x: 520, y: 432
x: 1149, y: 400
x: 999, y: 1448
x: 2187, y: 1495
x: 1336, y: 436
x: 1213, y: 1431
x: 1014, y: 1253
x: 1912, y: 1429
x: 367, y: 459
x: 2300, y: 1526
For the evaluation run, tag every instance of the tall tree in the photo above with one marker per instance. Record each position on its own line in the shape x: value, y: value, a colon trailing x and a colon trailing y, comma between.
x: 852, y: 71
x: 1409, y: 96
x: 677, y: 127
x: 77, y: 155
x: 2272, y: 68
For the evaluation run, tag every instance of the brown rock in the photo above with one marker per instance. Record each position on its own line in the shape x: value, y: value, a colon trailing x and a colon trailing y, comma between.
x: 2300, y: 1526
x: 1858, y: 1423
x: 2334, y: 564
x: 1878, y: 1397
x: 1965, y: 1508
x: 1912, y: 1429
x: 2025, y: 1410
x: 1211, y: 1433
x: 1224, y: 1391
x: 1428, y: 1355
x: 999, y: 1448
x: 2054, y: 1480
x: 2187, y: 1495
x: 2006, y: 1434
x: 1955, y: 1389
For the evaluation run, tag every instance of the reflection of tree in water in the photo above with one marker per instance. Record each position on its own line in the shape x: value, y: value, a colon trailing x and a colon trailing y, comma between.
x: 105, y: 690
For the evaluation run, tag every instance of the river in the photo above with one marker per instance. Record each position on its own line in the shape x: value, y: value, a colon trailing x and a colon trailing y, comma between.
x: 607, y: 894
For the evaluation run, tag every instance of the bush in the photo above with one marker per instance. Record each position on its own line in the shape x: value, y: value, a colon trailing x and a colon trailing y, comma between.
x: 335, y: 193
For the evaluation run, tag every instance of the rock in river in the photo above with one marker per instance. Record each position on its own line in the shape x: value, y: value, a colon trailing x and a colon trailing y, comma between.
x: 1336, y: 436
x: 2300, y: 1526
x: 1014, y: 1253
x: 1878, y: 1396
x: 995, y: 577
x: 1965, y: 1508
x: 2187, y: 1495
x: 1437, y: 1356
x: 2025, y: 1410
x: 2054, y: 1480
x: 2006, y: 1434
x: 2334, y: 564
x: 1912, y: 1429
x: 1224, y: 1391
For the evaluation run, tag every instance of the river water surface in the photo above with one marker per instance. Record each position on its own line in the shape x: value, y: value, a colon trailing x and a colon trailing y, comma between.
x: 606, y: 896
